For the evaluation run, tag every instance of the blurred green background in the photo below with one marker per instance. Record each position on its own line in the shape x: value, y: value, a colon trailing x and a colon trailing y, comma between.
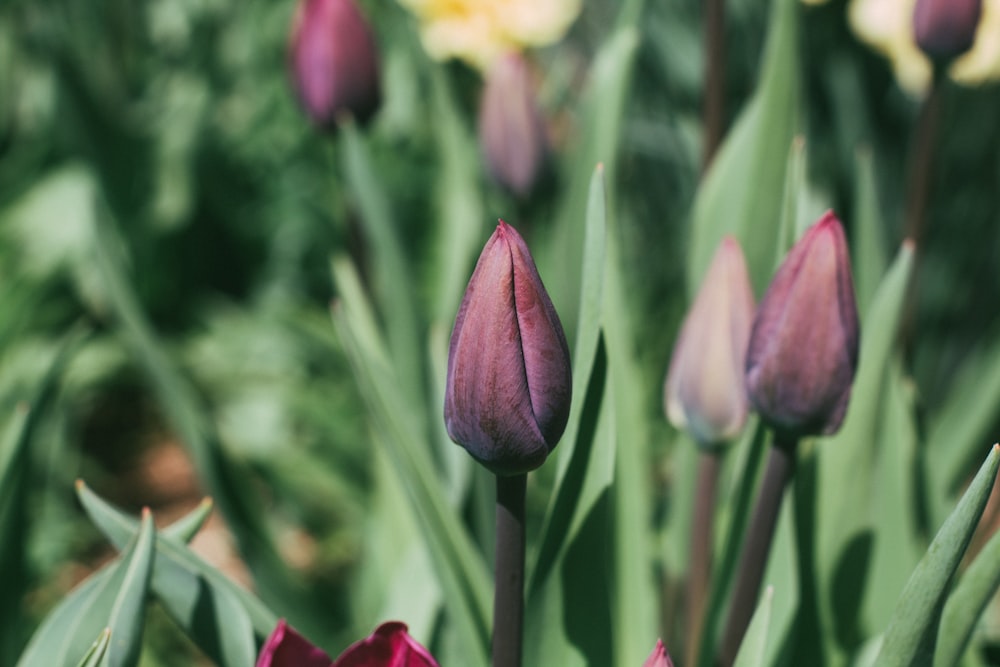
x: 164, y: 135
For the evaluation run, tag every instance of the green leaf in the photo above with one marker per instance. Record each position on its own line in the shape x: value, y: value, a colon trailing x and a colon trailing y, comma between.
x: 97, y: 650
x: 848, y: 460
x: 752, y: 650
x: 184, y: 529
x: 459, y: 567
x: 742, y: 192
x: 128, y: 613
x: 392, y: 273
x: 912, y: 631
x: 976, y: 587
x: 603, y: 111
x: 223, y: 619
x: 870, y: 264
x: 114, y: 597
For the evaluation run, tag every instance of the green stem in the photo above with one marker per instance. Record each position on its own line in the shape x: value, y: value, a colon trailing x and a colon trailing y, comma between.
x: 780, y: 467
x: 700, y: 567
x: 508, y: 600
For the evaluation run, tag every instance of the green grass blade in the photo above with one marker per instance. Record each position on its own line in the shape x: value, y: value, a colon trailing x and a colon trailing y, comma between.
x: 460, y: 568
x: 97, y: 650
x: 225, y: 620
x: 976, y: 587
x: 128, y: 613
x: 912, y: 631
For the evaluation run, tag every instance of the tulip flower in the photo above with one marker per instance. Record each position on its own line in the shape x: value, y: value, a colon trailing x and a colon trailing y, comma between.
x: 704, y: 391
x: 389, y: 646
x: 333, y: 62
x: 659, y: 657
x: 508, y: 385
x: 479, y: 31
x: 511, y: 132
x: 945, y: 29
x: 803, y: 348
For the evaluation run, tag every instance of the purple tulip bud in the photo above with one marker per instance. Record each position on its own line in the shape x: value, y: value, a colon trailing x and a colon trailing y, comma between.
x: 333, y: 62
x: 945, y: 29
x: 804, y: 344
x: 511, y: 131
x: 508, y: 389
x: 659, y: 657
x: 287, y: 648
x: 705, y: 391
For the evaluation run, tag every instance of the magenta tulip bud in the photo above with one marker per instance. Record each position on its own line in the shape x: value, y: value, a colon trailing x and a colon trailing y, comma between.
x: 659, y: 657
x: 509, y: 387
x: 705, y: 392
x: 945, y: 29
x: 804, y: 344
x: 511, y: 131
x: 287, y: 648
x: 333, y: 62
x: 389, y: 646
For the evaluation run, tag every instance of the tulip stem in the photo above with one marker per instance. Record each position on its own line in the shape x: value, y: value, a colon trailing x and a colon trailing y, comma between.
x: 700, y: 566
x: 780, y: 468
x: 508, y: 597
x: 713, y: 109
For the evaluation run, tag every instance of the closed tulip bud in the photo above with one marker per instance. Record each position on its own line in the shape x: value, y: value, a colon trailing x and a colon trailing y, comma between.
x: 804, y: 343
x: 705, y: 390
x: 511, y: 131
x: 508, y: 388
x: 659, y: 657
x: 333, y: 62
x: 390, y: 644
x: 945, y: 29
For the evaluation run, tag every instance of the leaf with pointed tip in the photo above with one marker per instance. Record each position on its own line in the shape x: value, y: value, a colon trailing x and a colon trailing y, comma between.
x: 225, y: 620
x: 912, y: 631
x: 97, y: 650
x: 184, y: 529
x: 113, y: 597
x: 965, y: 605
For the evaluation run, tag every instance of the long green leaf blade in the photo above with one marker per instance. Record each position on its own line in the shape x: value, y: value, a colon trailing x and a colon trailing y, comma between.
x: 910, y: 637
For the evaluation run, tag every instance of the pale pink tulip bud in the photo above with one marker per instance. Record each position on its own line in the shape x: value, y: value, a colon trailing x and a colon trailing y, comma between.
x: 508, y: 389
x: 705, y: 390
x: 511, y: 131
x: 804, y: 344
x: 333, y: 62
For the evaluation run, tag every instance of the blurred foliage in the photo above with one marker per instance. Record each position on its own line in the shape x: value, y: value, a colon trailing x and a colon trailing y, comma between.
x: 164, y: 135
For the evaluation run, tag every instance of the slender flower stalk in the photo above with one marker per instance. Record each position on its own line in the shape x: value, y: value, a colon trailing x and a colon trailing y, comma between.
x: 506, y: 402
x: 714, y: 105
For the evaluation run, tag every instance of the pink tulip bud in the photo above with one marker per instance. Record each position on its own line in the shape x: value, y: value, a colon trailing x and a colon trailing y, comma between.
x: 945, y: 29
x: 508, y: 389
x: 511, y: 131
x: 705, y: 390
x: 333, y: 61
x: 659, y: 657
x: 804, y: 344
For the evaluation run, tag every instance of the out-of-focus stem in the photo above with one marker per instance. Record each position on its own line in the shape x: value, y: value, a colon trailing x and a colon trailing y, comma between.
x: 702, y: 530
x: 713, y: 109
x: 780, y: 467
x: 918, y: 193
x: 508, y: 597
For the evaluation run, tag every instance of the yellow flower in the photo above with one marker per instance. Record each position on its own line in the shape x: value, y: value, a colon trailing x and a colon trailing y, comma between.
x: 887, y: 25
x: 477, y: 31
